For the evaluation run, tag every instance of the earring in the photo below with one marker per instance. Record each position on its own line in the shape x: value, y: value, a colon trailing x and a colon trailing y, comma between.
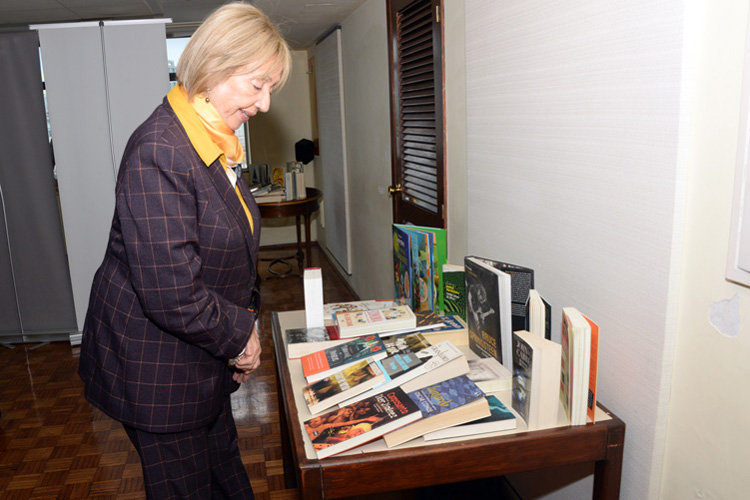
x: 208, y: 99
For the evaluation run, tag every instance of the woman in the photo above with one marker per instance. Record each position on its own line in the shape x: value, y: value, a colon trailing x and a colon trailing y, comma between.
x: 171, y: 326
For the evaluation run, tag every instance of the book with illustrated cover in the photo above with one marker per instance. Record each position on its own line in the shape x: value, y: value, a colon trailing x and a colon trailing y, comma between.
x: 453, y: 329
x: 398, y: 368
x: 448, y: 403
x: 402, y: 268
x: 333, y: 308
x: 490, y: 375
x: 361, y: 422
x: 342, y: 385
x: 454, y: 290
x: 302, y: 341
x: 500, y: 419
x: 508, y: 297
x: 318, y: 365
x: 390, y: 319
x: 410, y: 342
x: 439, y: 256
x: 536, y: 379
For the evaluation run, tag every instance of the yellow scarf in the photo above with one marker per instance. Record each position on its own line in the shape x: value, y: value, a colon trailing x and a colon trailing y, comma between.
x: 212, y: 125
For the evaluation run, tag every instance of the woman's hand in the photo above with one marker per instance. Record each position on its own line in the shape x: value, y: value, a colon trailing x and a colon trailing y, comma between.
x: 250, y: 359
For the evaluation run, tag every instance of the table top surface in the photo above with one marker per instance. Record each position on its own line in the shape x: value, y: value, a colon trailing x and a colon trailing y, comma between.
x: 439, y: 461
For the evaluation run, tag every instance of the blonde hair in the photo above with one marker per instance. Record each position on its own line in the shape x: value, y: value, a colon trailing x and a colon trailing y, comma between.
x: 231, y: 37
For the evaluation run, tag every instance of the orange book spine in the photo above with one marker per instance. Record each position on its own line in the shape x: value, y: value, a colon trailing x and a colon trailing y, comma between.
x: 593, y: 366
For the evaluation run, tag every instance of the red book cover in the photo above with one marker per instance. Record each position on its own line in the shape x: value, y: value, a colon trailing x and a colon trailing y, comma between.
x: 593, y: 364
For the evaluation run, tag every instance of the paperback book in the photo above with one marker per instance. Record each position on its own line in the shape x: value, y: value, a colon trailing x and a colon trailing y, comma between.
x: 361, y: 422
x: 454, y: 290
x: 538, y: 315
x: 453, y: 329
x: 320, y: 364
x: 536, y: 379
x: 579, y: 363
x: 343, y: 385
x: 302, y: 341
x: 333, y: 308
x: 500, y: 419
x: 390, y: 319
x: 452, y: 402
x: 399, y: 368
x: 440, y: 362
x: 406, y: 343
x: 490, y: 375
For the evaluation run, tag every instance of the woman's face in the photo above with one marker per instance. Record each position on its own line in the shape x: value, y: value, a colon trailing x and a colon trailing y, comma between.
x: 244, y: 94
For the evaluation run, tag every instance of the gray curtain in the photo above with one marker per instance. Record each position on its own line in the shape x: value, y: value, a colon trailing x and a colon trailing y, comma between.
x: 36, y: 300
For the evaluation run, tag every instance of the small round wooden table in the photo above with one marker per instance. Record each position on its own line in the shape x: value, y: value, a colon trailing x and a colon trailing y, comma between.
x: 295, y: 208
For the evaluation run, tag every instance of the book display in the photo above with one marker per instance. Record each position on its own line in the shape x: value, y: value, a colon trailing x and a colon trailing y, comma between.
x: 362, y: 457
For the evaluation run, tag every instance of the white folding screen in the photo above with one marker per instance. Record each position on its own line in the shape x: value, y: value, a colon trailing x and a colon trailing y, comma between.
x: 103, y: 79
x: 332, y: 137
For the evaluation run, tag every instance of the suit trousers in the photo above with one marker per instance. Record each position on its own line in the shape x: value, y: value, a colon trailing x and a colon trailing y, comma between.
x: 200, y: 464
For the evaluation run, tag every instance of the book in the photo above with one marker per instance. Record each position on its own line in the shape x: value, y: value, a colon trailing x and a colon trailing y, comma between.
x: 330, y: 309
x: 428, y: 319
x: 490, y: 375
x: 410, y: 342
x: 398, y: 368
x: 536, y: 379
x: 361, y: 422
x: 402, y: 267
x: 439, y: 256
x: 514, y: 283
x: 343, y: 385
x: 313, y: 286
x: 439, y: 362
x: 500, y: 419
x: 415, y: 244
x: 538, y: 315
x: 451, y: 402
x: 396, y: 318
x: 577, y: 383
x: 454, y: 290
x: 453, y: 329
x: 302, y: 341
x: 318, y: 365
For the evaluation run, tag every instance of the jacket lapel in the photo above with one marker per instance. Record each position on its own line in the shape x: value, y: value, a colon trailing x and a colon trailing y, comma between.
x: 233, y: 205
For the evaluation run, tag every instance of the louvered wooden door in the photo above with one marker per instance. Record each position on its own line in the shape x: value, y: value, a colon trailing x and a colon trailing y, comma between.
x: 417, y: 121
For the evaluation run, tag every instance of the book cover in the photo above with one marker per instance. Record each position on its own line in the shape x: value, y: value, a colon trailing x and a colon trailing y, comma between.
x: 442, y: 405
x: 428, y: 319
x: 301, y: 341
x: 320, y: 364
x: 361, y: 422
x: 454, y: 290
x: 536, y: 379
x: 521, y: 282
x: 342, y: 385
x: 593, y: 371
x: 484, y: 318
x: 490, y: 375
x: 500, y: 419
x: 333, y: 308
x: 410, y: 342
x: 439, y: 362
x: 402, y: 267
x: 453, y: 329
x: 385, y: 320
x: 421, y: 265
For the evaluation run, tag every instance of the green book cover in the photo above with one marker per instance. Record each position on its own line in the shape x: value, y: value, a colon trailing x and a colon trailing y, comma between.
x: 439, y: 257
x: 454, y: 291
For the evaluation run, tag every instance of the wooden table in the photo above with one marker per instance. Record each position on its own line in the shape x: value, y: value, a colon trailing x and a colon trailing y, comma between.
x: 419, y: 465
x: 295, y: 208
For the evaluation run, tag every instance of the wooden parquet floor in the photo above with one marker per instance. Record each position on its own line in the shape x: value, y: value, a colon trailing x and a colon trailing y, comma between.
x: 53, y: 444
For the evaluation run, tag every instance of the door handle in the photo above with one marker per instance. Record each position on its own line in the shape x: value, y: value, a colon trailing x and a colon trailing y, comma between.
x: 394, y: 189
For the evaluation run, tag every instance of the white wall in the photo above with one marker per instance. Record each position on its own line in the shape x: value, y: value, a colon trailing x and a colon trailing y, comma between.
x: 272, y: 139
x: 708, y: 432
x: 576, y: 168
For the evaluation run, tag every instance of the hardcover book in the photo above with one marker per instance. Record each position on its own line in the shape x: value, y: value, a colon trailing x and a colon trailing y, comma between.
x: 320, y: 364
x: 342, y: 385
x: 358, y: 423
x: 302, y: 341
x: 390, y: 319
x: 451, y: 402
x: 536, y: 379
x: 500, y: 419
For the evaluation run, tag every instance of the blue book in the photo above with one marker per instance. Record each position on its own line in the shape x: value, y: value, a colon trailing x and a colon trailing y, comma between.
x: 452, y: 402
x: 500, y: 419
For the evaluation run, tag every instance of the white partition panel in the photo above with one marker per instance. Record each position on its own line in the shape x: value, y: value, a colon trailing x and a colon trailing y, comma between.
x: 330, y: 102
x: 102, y: 80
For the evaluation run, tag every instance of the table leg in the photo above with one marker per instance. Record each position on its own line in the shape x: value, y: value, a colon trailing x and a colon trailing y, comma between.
x: 608, y: 472
x: 300, y: 256
x: 308, y: 243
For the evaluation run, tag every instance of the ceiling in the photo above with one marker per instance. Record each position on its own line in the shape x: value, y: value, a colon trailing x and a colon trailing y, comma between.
x: 302, y: 22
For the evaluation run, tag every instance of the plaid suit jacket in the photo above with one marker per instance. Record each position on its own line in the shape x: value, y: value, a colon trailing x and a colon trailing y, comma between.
x: 170, y: 302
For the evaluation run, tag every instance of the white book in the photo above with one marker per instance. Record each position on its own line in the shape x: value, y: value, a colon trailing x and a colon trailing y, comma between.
x: 313, y: 284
